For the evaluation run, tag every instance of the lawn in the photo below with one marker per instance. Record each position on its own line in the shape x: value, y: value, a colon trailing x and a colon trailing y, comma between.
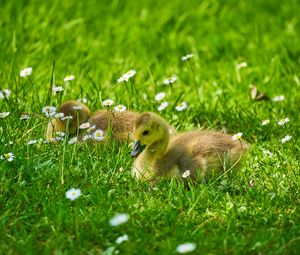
x: 254, y: 210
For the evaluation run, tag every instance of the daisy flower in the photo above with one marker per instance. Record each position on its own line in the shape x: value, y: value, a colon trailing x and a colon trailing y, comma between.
x: 4, y: 114
x: 122, y: 239
x: 282, y: 122
x: 98, y: 135
x: 241, y: 65
x: 85, y: 125
x: 120, y: 108
x: 73, y: 140
x: 186, y: 57
x: 77, y: 107
x: 57, y: 89
x: 286, y: 138
x: 86, y: 137
x: 69, y: 78
x: 90, y: 129
x: 181, y: 107
x: 8, y: 156
x: 186, y: 174
x: 31, y: 142
x: 60, y: 133
x: 160, y: 96
x: 170, y: 80
x: 5, y: 93
x: 266, y: 152
x: 73, y: 194
x: 49, y: 111
x: 119, y: 219
x: 83, y: 100
x: 237, y: 136
x: 278, y: 98
x: 108, y: 102
x: 126, y: 76
x: 59, y: 115
x: 26, y: 72
x: 265, y: 122
x: 163, y: 106
x: 25, y: 116
x: 186, y: 247
x: 67, y: 118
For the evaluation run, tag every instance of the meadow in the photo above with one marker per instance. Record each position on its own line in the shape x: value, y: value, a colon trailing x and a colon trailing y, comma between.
x: 234, y: 44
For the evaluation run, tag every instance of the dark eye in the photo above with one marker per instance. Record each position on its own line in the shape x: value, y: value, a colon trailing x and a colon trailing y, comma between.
x: 146, y: 132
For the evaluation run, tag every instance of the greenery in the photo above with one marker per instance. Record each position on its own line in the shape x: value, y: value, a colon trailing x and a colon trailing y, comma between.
x: 98, y: 41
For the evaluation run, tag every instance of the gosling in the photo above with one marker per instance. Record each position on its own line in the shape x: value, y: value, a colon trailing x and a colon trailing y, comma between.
x: 118, y: 124
x: 198, y: 153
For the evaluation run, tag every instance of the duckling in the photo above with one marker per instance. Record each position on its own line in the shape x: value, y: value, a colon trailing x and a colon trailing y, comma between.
x: 120, y: 123
x: 78, y: 116
x: 200, y: 152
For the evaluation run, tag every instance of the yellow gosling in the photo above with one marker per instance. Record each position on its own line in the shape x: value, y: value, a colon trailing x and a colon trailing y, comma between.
x: 194, y: 154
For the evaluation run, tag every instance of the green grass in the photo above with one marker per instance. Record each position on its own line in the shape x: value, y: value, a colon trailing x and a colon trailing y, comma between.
x: 98, y: 41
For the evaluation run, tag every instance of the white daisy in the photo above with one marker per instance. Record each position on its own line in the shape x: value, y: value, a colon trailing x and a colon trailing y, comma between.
x: 83, y: 100
x: 77, y: 107
x: 107, y: 102
x: 237, y: 136
x: 266, y: 152
x: 126, y: 76
x: 32, y: 142
x: 67, y: 118
x: 26, y: 72
x: 265, y: 122
x: 8, y: 156
x: 278, y: 98
x: 120, y: 108
x: 122, y: 239
x: 4, y: 114
x: 86, y: 137
x: 49, y: 111
x: 69, y: 78
x: 241, y: 65
x: 5, y: 93
x: 73, y: 194
x: 283, y: 121
x: 57, y: 89
x: 186, y: 247
x: 90, y: 129
x: 25, y: 116
x: 163, y: 106
x: 170, y: 80
x: 98, y: 135
x: 60, y: 133
x: 186, y: 57
x: 73, y: 140
x: 286, y: 138
x: 160, y: 96
x: 85, y: 125
x: 59, y: 115
x: 119, y: 219
x: 181, y: 107
x: 186, y: 174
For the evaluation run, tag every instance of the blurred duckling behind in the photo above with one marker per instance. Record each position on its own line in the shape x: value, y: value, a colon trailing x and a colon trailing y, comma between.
x: 199, y: 152
x: 75, y: 113
x: 120, y: 123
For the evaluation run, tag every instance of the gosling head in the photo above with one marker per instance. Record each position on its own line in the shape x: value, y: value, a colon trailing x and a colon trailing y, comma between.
x: 148, y: 129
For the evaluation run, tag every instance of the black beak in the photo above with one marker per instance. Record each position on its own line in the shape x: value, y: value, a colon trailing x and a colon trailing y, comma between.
x: 137, y: 149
